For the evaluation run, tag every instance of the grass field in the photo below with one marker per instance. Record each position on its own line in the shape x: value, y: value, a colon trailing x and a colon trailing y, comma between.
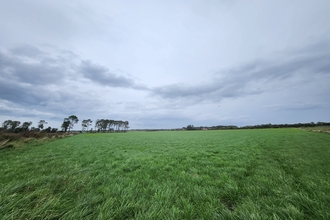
x: 238, y: 174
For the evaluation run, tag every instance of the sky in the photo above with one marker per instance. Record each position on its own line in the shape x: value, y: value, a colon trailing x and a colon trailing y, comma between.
x: 165, y: 64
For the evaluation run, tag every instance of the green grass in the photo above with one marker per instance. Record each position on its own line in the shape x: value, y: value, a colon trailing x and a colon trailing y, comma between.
x: 239, y: 174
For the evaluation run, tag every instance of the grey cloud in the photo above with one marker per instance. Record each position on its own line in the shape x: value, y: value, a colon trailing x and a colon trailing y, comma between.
x: 27, y: 51
x: 25, y: 68
x: 35, y: 66
x: 56, y: 118
x: 18, y: 93
x: 59, y: 101
x: 101, y: 75
x: 10, y: 108
x: 253, y: 77
x: 5, y: 111
x: 31, y: 96
x: 29, y: 65
x: 182, y: 90
x: 218, y: 89
x: 48, y: 79
x: 297, y: 106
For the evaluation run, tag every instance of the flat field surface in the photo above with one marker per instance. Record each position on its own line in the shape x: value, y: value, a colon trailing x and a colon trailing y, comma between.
x: 238, y: 174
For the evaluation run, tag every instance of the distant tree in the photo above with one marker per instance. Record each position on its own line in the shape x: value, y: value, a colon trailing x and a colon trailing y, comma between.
x: 101, y: 125
x: 104, y: 124
x: 319, y: 123
x: 126, y: 124
x: 35, y: 129
x: 116, y: 125
x: 98, y: 124
x: 25, y: 126
x: 110, y: 124
x: 41, y: 124
x: 7, y: 125
x: 72, y: 120
x: 85, y: 124
x: 65, y: 125
x: 121, y: 125
x: 14, y: 125
x: 190, y: 127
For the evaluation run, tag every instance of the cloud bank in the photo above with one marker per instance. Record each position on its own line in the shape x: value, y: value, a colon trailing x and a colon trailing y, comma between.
x: 258, y: 76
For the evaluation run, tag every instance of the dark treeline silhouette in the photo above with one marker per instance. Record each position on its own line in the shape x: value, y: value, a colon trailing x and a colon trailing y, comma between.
x: 218, y: 127
x: 108, y: 125
x: 16, y: 127
x: 101, y: 125
x: 297, y: 125
x: 226, y: 127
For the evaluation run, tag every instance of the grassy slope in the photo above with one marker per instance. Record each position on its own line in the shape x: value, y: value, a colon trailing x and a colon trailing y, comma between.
x: 243, y: 174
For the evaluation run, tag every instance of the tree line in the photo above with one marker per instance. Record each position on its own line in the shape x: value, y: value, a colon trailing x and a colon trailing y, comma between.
x: 16, y: 126
x: 296, y: 125
x: 108, y: 125
x: 226, y: 127
x: 218, y: 127
x: 101, y: 125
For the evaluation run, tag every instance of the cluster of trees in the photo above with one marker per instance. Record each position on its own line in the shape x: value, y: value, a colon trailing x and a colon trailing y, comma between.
x: 218, y: 127
x: 190, y: 127
x: 85, y: 124
x: 69, y: 122
x: 108, y: 125
x: 16, y: 126
x: 296, y: 125
x: 103, y: 125
x: 222, y: 127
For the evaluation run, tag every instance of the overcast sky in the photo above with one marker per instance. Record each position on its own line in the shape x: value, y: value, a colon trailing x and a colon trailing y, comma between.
x: 165, y: 64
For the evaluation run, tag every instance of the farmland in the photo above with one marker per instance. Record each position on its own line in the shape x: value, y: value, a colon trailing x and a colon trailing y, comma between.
x: 236, y: 174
